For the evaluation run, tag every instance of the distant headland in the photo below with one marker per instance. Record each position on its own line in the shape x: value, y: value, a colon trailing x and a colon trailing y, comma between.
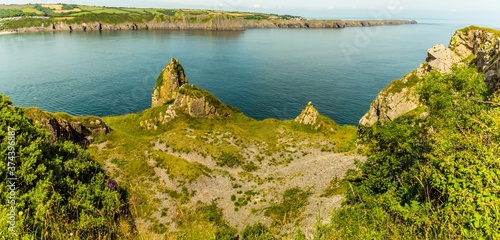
x: 71, y: 17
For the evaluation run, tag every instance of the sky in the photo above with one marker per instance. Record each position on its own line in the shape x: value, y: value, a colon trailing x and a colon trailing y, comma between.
x: 473, y: 12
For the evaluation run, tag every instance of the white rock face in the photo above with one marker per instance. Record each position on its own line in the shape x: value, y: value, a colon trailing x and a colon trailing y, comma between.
x: 441, y: 58
x: 308, y: 116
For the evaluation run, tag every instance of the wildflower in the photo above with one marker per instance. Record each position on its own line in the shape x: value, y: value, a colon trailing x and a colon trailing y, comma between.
x: 111, y: 186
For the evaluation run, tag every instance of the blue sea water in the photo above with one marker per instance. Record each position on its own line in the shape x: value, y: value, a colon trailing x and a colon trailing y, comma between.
x: 264, y: 72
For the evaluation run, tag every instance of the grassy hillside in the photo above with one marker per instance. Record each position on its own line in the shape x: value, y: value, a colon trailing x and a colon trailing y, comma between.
x: 209, y: 178
x: 237, y: 163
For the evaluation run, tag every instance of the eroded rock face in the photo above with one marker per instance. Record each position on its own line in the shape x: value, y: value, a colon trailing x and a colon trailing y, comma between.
x: 441, y: 58
x: 69, y: 129
x: 484, y: 44
x: 390, y: 104
x: 195, y: 106
x: 469, y: 46
x: 308, y: 116
x: 171, y: 78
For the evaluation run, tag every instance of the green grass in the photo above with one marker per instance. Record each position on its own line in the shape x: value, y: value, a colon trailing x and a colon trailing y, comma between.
x: 473, y: 27
x: 111, y: 10
x: 31, y: 10
x: 90, y: 8
x: 178, y: 167
x: 398, y: 85
x: 289, y: 209
x: 336, y: 187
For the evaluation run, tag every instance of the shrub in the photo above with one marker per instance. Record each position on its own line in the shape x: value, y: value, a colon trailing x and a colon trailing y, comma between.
x: 229, y: 160
x: 60, y: 189
x: 436, y: 177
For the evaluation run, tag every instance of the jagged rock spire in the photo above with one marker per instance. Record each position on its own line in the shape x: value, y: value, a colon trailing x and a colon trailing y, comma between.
x: 308, y: 116
x: 171, y: 78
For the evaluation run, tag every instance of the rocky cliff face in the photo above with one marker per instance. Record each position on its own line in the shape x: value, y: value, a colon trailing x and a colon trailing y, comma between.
x: 469, y: 46
x: 205, y: 22
x: 67, y: 128
x: 484, y: 46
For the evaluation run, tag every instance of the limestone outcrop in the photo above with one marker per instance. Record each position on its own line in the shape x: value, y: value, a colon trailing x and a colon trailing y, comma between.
x: 173, y: 91
x: 441, y: 58
x: 472, y: 46
x: 171, y: 78
x: 68, y: 128
x: 308, y: 116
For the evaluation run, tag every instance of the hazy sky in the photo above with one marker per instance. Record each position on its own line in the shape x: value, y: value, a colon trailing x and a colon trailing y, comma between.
x: 475, y: 12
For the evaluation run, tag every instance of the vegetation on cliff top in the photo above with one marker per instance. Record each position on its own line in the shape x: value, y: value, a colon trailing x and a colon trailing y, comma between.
x: 134, y: 155
x: 434, y: 177
x: 59, y: 190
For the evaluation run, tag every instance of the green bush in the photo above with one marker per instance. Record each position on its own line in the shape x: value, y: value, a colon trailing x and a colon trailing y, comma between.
x: 69, y: 6
x: 229, y: 160
x: 60, y: 191
x: 10, y: 12
x: 250, y: 167
x: 436, y: 177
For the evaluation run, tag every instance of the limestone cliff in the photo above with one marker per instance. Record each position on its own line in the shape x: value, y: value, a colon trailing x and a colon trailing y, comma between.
x: 203, y: 22
x: 472, y: 46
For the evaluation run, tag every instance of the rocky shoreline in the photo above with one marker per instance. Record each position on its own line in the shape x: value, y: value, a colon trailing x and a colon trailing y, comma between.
x: 216, y: 23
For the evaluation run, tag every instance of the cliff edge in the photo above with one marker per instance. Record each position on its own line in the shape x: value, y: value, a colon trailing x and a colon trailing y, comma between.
x: 471, y: 46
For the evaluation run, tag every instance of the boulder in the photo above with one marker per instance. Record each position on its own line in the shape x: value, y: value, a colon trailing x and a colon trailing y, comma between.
x: 69, y: 128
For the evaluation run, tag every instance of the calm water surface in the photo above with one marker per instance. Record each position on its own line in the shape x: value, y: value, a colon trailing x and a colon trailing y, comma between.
x: 264, y: 72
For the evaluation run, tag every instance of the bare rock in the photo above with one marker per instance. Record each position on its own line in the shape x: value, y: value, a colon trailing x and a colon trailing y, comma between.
x: 441, y: 58
x: 392, y: 102
x: 69, y: 128
x: 172, y: 89
x: 195, y: 106
x: 308, y: 116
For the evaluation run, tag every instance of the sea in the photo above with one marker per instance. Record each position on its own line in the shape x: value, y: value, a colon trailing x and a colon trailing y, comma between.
x: 266, y: 73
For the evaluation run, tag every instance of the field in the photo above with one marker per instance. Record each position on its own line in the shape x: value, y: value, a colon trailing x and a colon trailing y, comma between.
x: 72, y: 10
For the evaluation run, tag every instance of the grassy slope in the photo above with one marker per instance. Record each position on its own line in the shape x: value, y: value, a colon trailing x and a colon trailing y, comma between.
x: 131, y: 155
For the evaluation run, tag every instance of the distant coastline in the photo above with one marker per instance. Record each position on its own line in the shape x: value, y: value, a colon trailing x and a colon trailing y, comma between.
x: 69, y: 17
x: 218, y: 24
